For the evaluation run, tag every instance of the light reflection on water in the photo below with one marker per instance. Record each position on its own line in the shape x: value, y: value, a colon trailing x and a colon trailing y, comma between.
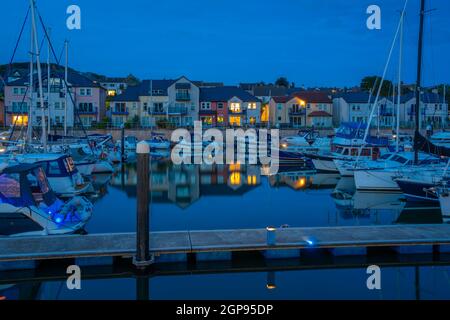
x: 227, y: 197
x: 193, y: 197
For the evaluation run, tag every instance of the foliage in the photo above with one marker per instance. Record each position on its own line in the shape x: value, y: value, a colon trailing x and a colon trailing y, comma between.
x: 373, y: 83
x: 282, y: 82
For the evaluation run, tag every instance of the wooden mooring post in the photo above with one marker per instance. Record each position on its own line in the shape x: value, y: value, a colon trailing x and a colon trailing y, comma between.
x: 143, y: 258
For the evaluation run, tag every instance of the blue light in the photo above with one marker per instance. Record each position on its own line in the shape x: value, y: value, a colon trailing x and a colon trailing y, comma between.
x: 310, y: 242
x: 58, y: 220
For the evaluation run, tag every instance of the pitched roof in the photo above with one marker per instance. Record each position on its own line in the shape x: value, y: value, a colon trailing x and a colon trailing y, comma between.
x: 74, y: 78
x: 282, y: 99
x: 425, y: 97
x: 313, y: 96
x: 269, y: 91
x: 145, y: 88
x: 225, y: 94
x: 356, y: 97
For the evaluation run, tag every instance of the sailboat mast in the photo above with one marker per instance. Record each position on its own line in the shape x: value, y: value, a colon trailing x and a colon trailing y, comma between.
x: 48, y: 80
x: 66, y: 95
x: 38, y: 63
x: 419, y: 77
x: 399, y: 85
x: 30, y: 90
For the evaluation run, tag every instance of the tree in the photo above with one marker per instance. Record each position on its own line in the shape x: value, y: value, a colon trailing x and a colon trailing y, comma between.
x: 132, y: 80
x: 368, y: 84
x: 282, y: 82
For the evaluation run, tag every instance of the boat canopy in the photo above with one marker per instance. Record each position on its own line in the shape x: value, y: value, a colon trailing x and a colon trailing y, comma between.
x: 25, y: 185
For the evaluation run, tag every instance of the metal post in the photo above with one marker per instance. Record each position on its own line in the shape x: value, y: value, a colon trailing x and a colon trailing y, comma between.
x: 122, y: 145
x: 143, y: 258
x: 419, y: 79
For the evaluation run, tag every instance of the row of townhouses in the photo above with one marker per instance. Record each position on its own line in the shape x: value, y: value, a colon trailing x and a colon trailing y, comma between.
x: 180, y: 102
x: 86, y: 101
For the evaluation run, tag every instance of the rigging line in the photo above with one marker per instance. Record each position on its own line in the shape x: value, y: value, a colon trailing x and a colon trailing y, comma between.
x: 52, y: 49
x: 18, y: 41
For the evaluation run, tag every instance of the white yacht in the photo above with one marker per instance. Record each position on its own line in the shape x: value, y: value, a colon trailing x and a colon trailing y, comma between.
x: 60, y: 170
x: 385, y: 179
x: 347, y: 168
x: 29, y: 207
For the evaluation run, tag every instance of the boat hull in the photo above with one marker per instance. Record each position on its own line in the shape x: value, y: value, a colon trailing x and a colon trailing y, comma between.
x: 367, y: 180
x: 415, y: 190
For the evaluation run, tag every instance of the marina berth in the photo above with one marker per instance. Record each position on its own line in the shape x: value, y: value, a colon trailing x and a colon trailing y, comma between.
x: 28, y: 205
x: 61, y: 171
x: 349, y: 144
x: 347, y: 168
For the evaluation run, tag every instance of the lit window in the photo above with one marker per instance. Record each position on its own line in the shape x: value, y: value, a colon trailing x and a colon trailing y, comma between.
x: 252, y: 105
x: 235, y: 107
x: 235, y: 178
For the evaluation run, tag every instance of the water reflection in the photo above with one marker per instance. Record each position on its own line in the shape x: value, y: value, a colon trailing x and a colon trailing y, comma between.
x: 239, y: 196
x: 183, y: 184
x: 414, y: 282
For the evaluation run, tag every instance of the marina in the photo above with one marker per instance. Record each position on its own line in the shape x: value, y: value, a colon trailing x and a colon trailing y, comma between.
x: 201, y: 189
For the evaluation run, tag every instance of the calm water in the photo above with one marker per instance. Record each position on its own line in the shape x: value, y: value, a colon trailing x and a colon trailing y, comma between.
x: 225, y: 197
x: 431, y: 282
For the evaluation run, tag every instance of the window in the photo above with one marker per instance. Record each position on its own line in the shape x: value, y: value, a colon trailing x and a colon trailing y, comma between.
x: 85, y: 92
x: 252, y: 106
x: 16, y: 91
x: 235, y: 107
x: 53, y: 168
x: 120, y: 107
x: 145, y: 106
x: 206, y: 105
x: 10, y: 185
x: 252, y: 120
x: 158, y: 107
x: 220, y: 119
x: 219, y: 105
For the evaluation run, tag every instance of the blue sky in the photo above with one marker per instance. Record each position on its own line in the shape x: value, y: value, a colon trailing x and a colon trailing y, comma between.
x: 311, y: 42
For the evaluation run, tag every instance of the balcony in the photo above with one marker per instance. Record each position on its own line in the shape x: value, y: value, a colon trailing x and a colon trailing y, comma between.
x: 156, y: 112
x: 89, y: 111
x: 15, y: 110
x: 386, y: 113
x: 297, y: 112
x: 178, y: 110
x: 120, y: 112
x: 412, y: 112
x: 183, y: 97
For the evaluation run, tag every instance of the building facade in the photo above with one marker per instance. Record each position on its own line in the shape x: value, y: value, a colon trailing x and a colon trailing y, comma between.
x: 84, y: 105
x: 229, y: 106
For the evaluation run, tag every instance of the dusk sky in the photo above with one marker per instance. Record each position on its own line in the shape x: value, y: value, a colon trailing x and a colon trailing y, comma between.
x: 311, y: 42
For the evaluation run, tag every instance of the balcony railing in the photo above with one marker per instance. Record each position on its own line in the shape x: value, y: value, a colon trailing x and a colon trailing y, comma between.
x: 183, y: 97
x: 88, y: 111
x: 178, y: 110
x: 120, y: 112
x: 157, y: 112
x: 10, y: 109
x: 294, y: 112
